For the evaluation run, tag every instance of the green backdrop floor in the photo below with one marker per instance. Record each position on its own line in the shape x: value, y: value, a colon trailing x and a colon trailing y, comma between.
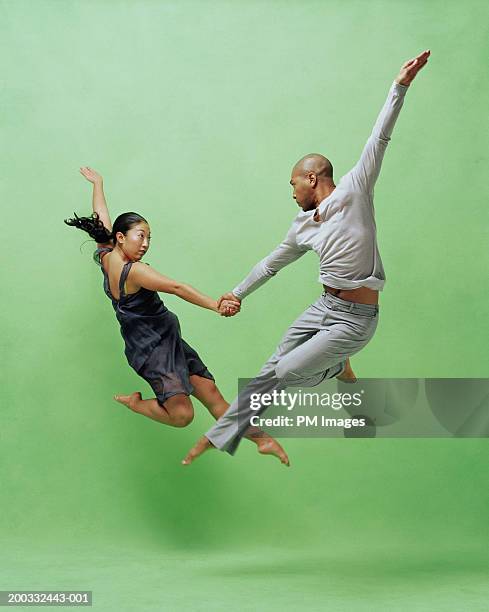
x: 131, y: 578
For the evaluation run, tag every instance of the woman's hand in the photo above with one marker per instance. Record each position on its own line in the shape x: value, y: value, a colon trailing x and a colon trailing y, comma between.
x: 228, y: 308
x: 99, y: 204
x: 91, y: 175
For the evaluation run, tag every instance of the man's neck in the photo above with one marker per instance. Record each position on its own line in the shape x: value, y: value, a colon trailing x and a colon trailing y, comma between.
x: 323, y: 192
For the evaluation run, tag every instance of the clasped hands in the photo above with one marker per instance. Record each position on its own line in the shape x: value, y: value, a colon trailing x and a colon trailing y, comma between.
x: 228, y: 305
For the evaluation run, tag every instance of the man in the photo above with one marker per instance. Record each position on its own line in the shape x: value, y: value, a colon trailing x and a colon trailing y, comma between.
x: 336, y: 221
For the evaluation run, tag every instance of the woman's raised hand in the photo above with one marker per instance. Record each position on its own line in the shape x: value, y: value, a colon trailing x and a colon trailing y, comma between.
x: 91, y: 175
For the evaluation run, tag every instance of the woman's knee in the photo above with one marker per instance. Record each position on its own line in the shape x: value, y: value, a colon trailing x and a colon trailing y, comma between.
x: 183, y: 417
x: 181, y: 412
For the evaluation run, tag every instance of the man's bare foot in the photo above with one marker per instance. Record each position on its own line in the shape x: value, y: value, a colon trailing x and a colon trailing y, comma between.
x: 269, y: 446
x: 129, y: 400
x: 347, y: 376
x: 202, y: 445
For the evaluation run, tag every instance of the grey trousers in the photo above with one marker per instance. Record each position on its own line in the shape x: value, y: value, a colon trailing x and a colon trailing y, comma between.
x: 315, y: 347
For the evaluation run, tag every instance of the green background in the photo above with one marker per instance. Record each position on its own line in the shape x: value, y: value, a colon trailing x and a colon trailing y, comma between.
x: 194, y: 112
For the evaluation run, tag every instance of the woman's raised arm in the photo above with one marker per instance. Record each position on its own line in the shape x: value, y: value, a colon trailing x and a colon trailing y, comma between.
x: 98, y: 200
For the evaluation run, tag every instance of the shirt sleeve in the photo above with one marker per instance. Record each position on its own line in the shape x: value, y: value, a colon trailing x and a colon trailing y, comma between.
x: 285, y: 253
x: 366, y: 171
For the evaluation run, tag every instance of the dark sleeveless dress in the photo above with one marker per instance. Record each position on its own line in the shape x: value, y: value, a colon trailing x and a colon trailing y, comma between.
x: 154, y: 346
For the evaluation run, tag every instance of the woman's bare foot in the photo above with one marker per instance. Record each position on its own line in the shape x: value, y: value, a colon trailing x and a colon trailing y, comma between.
x: 347, y: 376
x: 129, y: 400
x: 202, y: 445
x: 269, y: 446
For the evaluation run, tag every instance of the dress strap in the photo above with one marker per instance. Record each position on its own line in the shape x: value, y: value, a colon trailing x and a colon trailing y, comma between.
x: 122, y: 281
x: 98, y: 252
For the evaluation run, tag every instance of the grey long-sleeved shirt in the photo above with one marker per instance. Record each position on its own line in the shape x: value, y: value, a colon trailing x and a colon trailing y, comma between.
x: 345, y: 235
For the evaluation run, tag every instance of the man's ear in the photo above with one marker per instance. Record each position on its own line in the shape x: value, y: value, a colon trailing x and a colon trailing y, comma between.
x: 313, y: 179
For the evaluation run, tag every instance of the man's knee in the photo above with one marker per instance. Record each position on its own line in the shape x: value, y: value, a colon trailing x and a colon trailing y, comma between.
x: 294, y: 374
x: 284, y: 370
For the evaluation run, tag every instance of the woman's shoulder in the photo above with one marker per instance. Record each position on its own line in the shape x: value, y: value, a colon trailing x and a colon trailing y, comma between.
x: 138, y: 268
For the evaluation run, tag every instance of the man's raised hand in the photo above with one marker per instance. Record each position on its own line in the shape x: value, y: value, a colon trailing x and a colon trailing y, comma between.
x: 411, y: 68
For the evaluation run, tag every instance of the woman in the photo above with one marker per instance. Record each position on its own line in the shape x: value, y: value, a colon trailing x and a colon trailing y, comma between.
x: 153, y: 343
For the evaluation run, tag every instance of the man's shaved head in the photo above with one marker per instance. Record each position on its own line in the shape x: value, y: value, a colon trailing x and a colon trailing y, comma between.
x: 312, y: 180
x: 314, y: 162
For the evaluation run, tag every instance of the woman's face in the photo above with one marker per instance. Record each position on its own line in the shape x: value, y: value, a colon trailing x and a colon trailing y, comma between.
x: 136, y: 241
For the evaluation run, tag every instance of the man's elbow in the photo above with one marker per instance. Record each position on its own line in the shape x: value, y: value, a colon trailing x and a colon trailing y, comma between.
x: 268, y: 271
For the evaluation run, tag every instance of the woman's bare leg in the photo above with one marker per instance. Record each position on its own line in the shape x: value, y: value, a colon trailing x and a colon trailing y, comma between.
x: 177, y: 410
x: 206, y: 391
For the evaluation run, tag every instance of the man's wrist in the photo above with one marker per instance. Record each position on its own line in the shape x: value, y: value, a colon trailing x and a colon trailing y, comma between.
x: 398, y: 82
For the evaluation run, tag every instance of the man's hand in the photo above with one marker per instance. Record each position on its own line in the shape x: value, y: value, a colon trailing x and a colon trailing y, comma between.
x: 228, y: 296
x: 91, y: 175
x: 227, y: 308
x: 411, y: 68
x: 229, y: 304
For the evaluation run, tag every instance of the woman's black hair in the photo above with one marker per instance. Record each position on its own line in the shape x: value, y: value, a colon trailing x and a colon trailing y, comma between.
x: 97, y: 230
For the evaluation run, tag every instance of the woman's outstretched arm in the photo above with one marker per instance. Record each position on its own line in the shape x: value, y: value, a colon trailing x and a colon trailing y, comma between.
x: 98, y: 200
x: 147, y: 277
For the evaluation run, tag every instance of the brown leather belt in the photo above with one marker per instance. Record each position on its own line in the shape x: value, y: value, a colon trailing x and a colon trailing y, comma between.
x: 332, y: 290
x: 354, y: 295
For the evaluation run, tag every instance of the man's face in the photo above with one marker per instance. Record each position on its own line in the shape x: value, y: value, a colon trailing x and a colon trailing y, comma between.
x: 303, y: 192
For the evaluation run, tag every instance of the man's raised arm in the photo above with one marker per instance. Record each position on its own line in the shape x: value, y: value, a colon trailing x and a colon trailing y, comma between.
x: 285, y: 253
x: 366, y: 171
